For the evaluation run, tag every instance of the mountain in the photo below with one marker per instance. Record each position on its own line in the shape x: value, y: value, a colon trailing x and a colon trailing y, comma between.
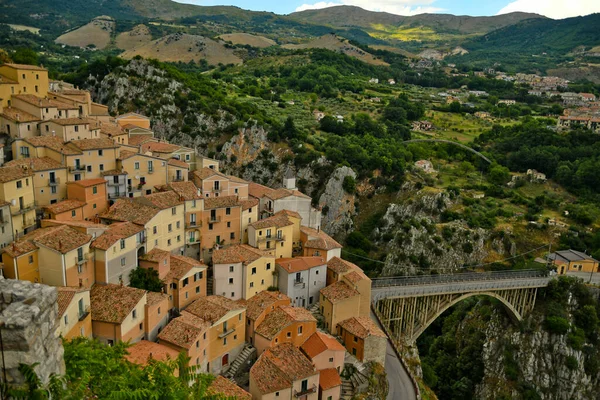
x: 350, y: 16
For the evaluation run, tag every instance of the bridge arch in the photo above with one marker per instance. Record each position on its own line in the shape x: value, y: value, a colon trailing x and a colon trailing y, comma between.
x: 512, y: 311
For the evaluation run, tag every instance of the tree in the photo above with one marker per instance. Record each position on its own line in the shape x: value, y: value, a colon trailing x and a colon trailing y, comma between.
x: 498, y: 174
x: 25, y: 56
x: 145, y: 278
x: 349, y: 184
x: 455, y: 107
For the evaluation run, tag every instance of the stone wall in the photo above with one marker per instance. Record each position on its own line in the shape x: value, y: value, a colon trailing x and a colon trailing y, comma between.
x: 28, y: 321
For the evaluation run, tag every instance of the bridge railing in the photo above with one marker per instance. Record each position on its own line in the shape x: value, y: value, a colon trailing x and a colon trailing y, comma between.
x: 460, y: 277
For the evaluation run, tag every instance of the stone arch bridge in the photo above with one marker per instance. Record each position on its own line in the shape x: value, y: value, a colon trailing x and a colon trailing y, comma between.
x: 406, y: 306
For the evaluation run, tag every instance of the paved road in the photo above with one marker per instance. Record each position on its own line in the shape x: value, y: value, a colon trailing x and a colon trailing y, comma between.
x: 399, y: 382
x: 595, y: 277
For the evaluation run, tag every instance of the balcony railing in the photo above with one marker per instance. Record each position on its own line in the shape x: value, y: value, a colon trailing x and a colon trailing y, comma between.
x: 84, y: 313
x: 131, y: 188
x: 213, y: 219
x: 54, y: 182
x: 113, y: 196
x: 82, y: 260
x: 193, y: 240
x: 140, y: 241
x: 24, y: 208
x: 193, y: 224
x: 299, y: 283
x: 269, y: 238
x: 306, y: 391
x: 77, y: 168
x: 217, y: 190
x: 113, y: 183
x: 227, y: 333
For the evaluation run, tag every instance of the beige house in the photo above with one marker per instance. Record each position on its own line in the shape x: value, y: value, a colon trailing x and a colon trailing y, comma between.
x: 339, y: 301
x: 18, y: 124
x: 339, y: 269
x: 259, y: 306
x: 273, y: 235
x: 16, y: 188
x: 145, y: 172
x: 285, y: 324
x: 188, y: 334
x: 68, y: 129
x: 317, y: 243
x: 284, y: 372
x: 324, y: 351
x: 213, y: 183
x: 22, y: 79
x: 118, y: 313
x: 49, y: 179
x: 363, y: 339
x: 74, y: 317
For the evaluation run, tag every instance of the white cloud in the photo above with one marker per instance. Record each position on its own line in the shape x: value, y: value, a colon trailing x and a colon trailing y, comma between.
x: 556, y: 9
x: 400, y: 7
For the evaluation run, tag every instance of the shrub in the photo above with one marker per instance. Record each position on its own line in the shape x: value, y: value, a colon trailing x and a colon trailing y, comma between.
x: 571, y: 363
x: 349, y: 184
x: 556, y: 325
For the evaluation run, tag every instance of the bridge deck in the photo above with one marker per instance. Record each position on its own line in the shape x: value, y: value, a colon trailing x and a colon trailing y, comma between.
x: 457, y: 283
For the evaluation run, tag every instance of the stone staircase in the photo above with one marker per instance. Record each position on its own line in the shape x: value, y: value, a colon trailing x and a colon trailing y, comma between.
x: 209, y: 286
x: 240, y: 360
x: 357, y: 381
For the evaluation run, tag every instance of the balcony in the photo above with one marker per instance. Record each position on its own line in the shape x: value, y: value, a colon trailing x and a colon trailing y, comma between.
x: 113, y: 183
x: 226, y: 333
x: 306, y: 391
x: 25, y: 208
x: 54, y: 182
x: 193, y: 224
x: 113, y: 196
x: 193, y: 240
x: 151, y: 171
x: 131, y: 188
x: 299, y: 283
x: 3, y: 220
x: 269, y: 238
x: 84, y: 313
x: 77, y: 168
x: 82, y: 260
x: 213, y: 218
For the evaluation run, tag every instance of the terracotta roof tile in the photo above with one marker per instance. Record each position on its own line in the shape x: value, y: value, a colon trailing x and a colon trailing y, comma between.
x: 278, y: 220
x: 162, y: 200
x: 212, y: 308
x: 221, y: 202
x: 258, y: 303
x: 248, y: 204
x: 17, y: 115
x: 278, y: 367
x: 130, y: 210
x: 93, y: 144
x: 319, y: 342
x: 237, y: 253
x: 329, y: 378
x: 68, y: 121
x: 181, y: 265
x: 24, y: 66
x: 153, y: 298
x: 125, y: 154
x: 187, y: 190
x: 178, y: 163
x: 258, y: 191
x: 290, y: 213
x: 113, y: 303
x: 155, y: 255
x: 319, y: 239
x: 225, y: 387
x: 64, y: 206
x: 137, y: 140
x: 63, y: 239
x: 114, y: 233
x: 338, y: 291
x: 111, y: 130
x: 361, y: 327
x: 8, y: 174
x: 45, y: 102
x: 25, y: 243
x: 281, y: 318
x: 89, y: 182
x: 36, y: 163
x: 160, y: 147
x: 53, y: 142
x: 297, y: 264
x: 140, y: 352
x: 339, y: 265
x: 113, y: 172
x: 65, y: 297
x: 184, y: 331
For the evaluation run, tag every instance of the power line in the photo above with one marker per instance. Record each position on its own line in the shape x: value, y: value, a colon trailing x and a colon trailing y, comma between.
x: 470, y: 266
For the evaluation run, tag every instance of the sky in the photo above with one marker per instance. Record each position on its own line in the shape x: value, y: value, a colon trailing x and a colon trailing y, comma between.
x: 556, y: 9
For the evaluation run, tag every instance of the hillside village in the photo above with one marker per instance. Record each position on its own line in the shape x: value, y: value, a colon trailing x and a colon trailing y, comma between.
x: 251, y: 288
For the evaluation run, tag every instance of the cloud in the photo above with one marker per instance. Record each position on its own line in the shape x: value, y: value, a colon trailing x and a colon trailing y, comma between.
x: 556, y: 9
x: 400, y: 7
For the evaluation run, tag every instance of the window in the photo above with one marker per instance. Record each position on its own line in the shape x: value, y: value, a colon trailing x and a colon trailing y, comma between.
x: 232, y: 294
x: 170, y: 228
x: 158, y: 310
x: 100, y: 152
x: 89, y: 168
x: 299, y: 330
x: 330, y: 359
x: 73, y: 213
x: 136, y: 165
x: 150, y: 166
x: 317, y: 272
x: 231, y: 281
x: 262, y: 282
x: 194, y: 204
x: 210, y: 227
x: 187, y: 157
x: 197, y: 343
x: 268, y: 266
x: 76, y: 128
x: 101, y: 167
x: 19, y: 184
x: 224, y: 341
x: 228, y: 211
x: 251, y: 284
x: 30, y: 259
x: 197, y: 289
x: 174, y: 211
x: 154, y: 230
x: 253, y: 270
x: 355, y: 339
x: 185, y: 282
x: 95, y: 190
x: 141, y: 326
x: 236, y: 192
x: 179, y: 238
x: 66, y: 319
x: 229, y: 224
x: 289, y: 334
x: 353, y: 352
x: 168, y: 242
x: 232, y: 236
x: 231, y: 269
x: 53, y: 189
x: 187, y: 295
x: 134, y: 314
x: 123, y: 259
x: 178, y: 224
x: 276, y: 394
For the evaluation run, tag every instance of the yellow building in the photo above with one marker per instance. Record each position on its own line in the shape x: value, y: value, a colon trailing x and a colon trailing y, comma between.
x: 74, y: 317
x: 342, y: 270
x: 16, y: 187
x: 567, y: 261
x: 97, y: 156
x: 221, y: 224
x: 145, y: 172
x: 168, y: 151
x: 241, y: 271
x: 17, y: 123
x: 161, y: 214
x: 213, y: 183
x: 339, y: 302
x: 285, y: 324
x: 22, y: 79
x: 226, y: 335
x: 274, y: 235
x: 317, y: 243
x: 189, y: 334
x: 134, y: 119
x: 118, y: 313
x: 44, y: 108
x: 249, y: 215
x: 49, y: 179
x: 68, y: 129
x: 177, y: 170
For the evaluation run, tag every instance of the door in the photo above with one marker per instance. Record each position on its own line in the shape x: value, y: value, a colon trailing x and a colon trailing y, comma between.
x: 52, y: 177
x: 225, y: 360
